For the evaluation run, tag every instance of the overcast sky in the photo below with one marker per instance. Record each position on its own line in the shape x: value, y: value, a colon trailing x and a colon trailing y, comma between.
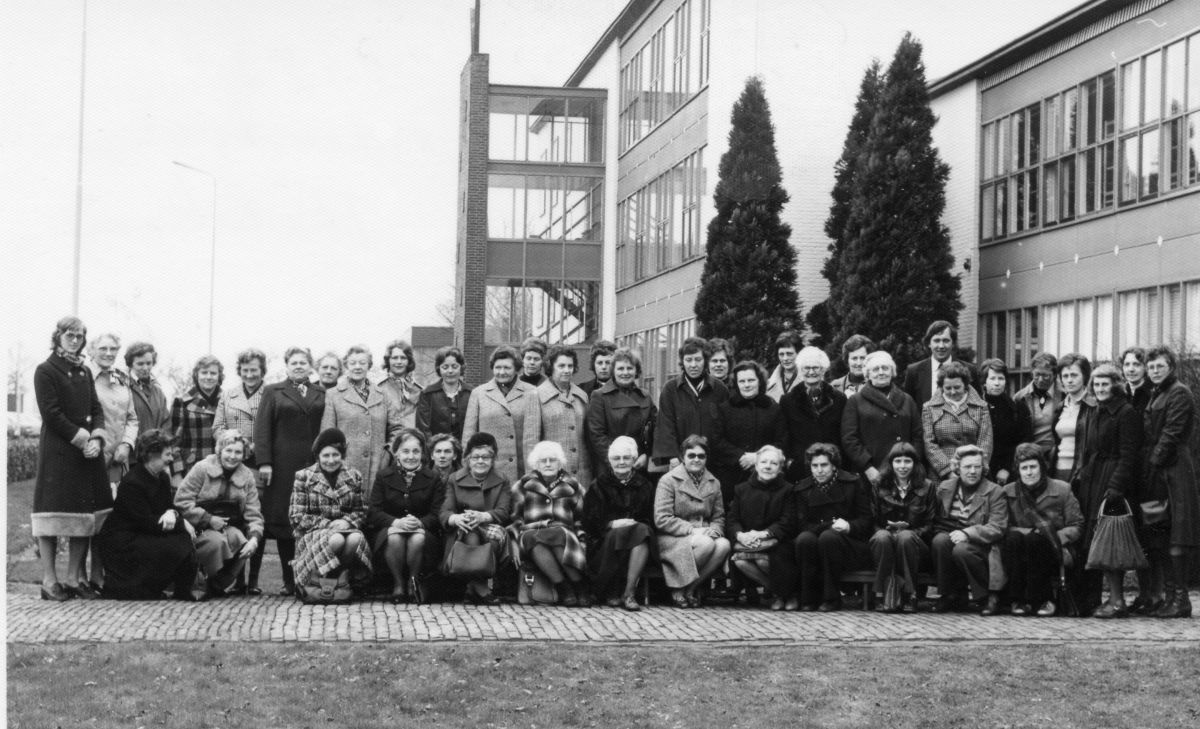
x: 332, y: 130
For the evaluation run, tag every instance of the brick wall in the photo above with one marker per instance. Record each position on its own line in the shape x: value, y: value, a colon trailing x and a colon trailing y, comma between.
x: 471, y: 263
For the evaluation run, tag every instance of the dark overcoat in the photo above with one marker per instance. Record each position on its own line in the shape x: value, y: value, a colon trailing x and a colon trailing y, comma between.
x: 682, y: 412
x: 437, y: 413
x: 743, y: 426
x: 807, y: 424
x: 874, y: 422
x: 1169, y: 472
x: 284, y: 430
x: 612, y: 412
x: 1110, y: 457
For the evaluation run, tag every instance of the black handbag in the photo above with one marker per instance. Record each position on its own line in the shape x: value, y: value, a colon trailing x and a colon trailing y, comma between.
x: 1115, y: 544
x: 470, y: 561
x: 228, y: 509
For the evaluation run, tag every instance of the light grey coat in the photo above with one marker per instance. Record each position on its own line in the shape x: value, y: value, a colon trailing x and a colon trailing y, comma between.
x: 368, y: 427
x: 560, y: 417
x: 679, y: 506
x: 491, y: 411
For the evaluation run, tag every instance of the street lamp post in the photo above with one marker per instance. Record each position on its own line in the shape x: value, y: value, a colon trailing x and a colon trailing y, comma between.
x: 212, y: 265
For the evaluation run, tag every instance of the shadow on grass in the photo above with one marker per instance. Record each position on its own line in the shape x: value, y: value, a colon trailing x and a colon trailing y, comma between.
x: 173, y: 685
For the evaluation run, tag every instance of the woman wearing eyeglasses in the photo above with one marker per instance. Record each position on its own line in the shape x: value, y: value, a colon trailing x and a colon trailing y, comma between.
x: 690, y: 519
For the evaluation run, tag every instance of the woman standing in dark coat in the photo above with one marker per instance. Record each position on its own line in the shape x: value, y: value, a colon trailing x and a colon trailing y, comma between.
x: 812, y: 413
x: 288, y: 421
x: 618, y: 516
x: 620, y: 407
x: 146, y: 543
x: 1170, y: 474
x: 1109, y: 462
x: 71, y: 496
x: 747, y: 421
x: 403, y: 517
x: 761, y: 526
x: 443, y: 404
x: 1010, y: 421
x: 878, y: 417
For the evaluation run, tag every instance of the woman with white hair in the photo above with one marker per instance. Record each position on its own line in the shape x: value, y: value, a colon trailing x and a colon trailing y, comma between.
x: 618, y: 516
x: 879, y: 416
x: 812, y: 411
x: 762, y: 524
x: 546, y: 502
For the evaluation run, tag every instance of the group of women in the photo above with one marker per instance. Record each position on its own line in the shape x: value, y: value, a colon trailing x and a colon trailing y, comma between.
x: 784, y: 482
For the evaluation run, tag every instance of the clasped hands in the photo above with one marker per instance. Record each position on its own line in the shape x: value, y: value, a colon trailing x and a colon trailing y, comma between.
x: 752, y: 539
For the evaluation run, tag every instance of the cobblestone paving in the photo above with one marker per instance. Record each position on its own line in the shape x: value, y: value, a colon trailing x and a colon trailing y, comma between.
x: 31, y: 620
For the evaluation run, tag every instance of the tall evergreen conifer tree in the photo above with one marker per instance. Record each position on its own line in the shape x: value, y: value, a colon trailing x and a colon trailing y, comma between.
x: 895, y: 271
x: 823, y: 319
x: 748, y: 286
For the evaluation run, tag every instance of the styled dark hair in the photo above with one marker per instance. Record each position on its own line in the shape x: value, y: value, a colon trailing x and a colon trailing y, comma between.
x: 1166, y: 353
x: 693, y: 441
x: 559, y: 350
x: 63, y: 326
x: 993, y: 365
x: 445, y: 353
x: 601, y: 348
x: 887, y: 476
x: 857, y: 341
x: 533, y: 344
x: 954, y: 370
x: 1138, y: 353
x: 692, y: 345
x: 248, y: 355
x: 503, y: 352
x: 150, y: 443
x: 756, y: 368
x: 625, y: 354
x: 208, y: 360
x: 403, y: 435
x: 789, y: 338
x: 1074, y: 358
x: 140, y: 349
x: 1028, y: 452
x: 408, y: 352
x: 1044, y: 360
x: 455, y: 444
x: 940, y: 325
x: 293, y: 351
x: 716, y: 344
x: 828, y: 450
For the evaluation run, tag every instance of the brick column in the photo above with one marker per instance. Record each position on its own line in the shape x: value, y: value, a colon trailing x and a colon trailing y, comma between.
x: 471, y: 263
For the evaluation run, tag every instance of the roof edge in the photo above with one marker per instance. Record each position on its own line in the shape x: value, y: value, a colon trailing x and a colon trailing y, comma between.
x: 624, y: 20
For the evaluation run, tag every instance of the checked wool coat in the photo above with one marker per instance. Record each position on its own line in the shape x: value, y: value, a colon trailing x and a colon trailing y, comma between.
x: 316, y: 503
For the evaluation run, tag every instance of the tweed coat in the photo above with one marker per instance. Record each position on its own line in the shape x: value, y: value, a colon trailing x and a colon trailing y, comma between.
x: 743, y: 426
x: 987, y: 514
x: 920, y: 380
x: 150, y: 405
x: 285, y: 427
x: 191, y: 422
x: 561, y: 417
x: 680, y: 505
x: 235, y: 411
x: 775, y: 384
x: 120, y: 417
x: 613, y: 412
x: 369, y: 426
x: 557, y: 507
x: 807, y: 424
x: 71, y: 496
x: 944, y: 430
x: 1109, y: 459
x: 1168, y: 470
x: 206, y: 482
x: 874, y: 422
x: 493, y: 495
x: 403, y: 393
x: 315, y: 503
x: 489, y: 410
x: 1056, y: 504
x: 438, y: 413
x: 683, y: 412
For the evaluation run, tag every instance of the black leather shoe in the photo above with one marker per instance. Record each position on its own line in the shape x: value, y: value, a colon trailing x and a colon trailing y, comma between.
x: 85, y: 591
x: 56, y: 593
x: 830, y: 606
x: 908, y: 604
x: 288, y: 590
x: 630, y: 603
x: 943, y: 605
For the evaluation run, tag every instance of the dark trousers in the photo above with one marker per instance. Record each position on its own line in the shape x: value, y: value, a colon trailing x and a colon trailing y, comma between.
x: 287, y: 552
x: 1032, y: 567
x: 960, y: 565
x: 822, y: 560
x: 900, y: 554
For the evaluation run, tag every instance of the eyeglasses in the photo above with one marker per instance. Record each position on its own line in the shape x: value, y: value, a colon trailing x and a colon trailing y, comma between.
x: 695, y: 456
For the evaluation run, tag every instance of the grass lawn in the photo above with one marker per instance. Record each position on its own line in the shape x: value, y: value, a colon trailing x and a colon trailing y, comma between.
x: 552, y: 685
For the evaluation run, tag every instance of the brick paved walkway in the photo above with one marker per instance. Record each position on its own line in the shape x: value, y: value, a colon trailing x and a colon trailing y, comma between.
x: 31, y: 620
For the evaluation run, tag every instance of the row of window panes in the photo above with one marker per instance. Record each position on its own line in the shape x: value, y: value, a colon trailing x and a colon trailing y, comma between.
x: 547, y: 207
x: 660, y: 224
x: 552, y: 310
x: 1077, y: 127
x: 545, y: 129
x: 1100, y: 327
x: 659, y: 351
x: 666, y: 72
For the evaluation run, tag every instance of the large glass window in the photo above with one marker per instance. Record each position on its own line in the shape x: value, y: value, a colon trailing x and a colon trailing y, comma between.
x: 554, y: 310
x: 547, y: 207
x: 661, y: 222
x: 545, y: 128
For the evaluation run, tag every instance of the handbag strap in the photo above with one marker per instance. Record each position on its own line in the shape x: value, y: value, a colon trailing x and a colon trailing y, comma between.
x: 1128, y: 508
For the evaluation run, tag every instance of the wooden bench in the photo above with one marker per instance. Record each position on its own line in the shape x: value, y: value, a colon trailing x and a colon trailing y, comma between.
x: 866, y: 578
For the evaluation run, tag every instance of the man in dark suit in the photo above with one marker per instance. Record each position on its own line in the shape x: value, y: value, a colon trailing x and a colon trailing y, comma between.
x: 920, y: 378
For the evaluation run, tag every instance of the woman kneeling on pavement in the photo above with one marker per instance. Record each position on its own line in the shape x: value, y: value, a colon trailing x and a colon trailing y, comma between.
x: 902, y: 510
x: 219, y: 497
x: 972, y: 519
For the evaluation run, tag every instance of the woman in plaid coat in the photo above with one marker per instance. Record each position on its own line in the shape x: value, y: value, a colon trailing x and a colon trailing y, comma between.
x: 327, y: 514
x: 547, y: 503
x: 192, y: 415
